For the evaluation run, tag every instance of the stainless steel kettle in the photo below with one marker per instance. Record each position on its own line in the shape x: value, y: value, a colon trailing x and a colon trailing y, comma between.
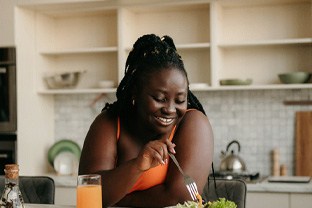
x: 232, y: 162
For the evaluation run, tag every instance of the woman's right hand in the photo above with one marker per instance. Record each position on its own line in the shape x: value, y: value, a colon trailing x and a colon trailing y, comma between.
x: 155, y: 153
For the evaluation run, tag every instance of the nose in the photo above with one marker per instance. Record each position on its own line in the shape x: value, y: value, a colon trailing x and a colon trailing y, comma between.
x: 169, y: 108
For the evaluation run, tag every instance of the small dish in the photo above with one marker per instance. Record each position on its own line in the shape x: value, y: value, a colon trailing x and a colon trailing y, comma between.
x: 235, y: 82
x: 199, y: 85
x: 106, y: 84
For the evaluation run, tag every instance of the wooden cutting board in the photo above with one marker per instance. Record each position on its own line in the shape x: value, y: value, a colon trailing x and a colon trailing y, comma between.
x: 303, y: 143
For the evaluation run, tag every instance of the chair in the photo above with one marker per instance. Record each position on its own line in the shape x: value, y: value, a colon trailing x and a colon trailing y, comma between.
x: 234, y: 190
x: 34, y: 189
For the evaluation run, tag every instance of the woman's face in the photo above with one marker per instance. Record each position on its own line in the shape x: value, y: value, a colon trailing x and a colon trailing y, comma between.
x: 162, y: 100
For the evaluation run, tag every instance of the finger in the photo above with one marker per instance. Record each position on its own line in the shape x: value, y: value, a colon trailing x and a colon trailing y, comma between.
x: 170, y: 146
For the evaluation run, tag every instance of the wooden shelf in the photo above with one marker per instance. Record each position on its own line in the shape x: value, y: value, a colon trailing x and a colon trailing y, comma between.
x: 299, y: 41
x: 79, y: 51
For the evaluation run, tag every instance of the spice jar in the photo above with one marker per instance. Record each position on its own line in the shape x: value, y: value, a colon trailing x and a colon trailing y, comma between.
x: 11, y: 196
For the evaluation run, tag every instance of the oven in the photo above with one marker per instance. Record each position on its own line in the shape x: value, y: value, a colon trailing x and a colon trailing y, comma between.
x: 7, y: 150
x: 7, y: 90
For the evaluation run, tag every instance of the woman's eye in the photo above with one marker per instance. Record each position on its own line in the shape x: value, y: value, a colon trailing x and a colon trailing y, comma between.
x: 160, y: 99
x: 180, y: 101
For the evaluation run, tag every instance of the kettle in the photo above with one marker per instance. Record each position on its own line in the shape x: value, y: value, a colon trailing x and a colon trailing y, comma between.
x: 232, y: 162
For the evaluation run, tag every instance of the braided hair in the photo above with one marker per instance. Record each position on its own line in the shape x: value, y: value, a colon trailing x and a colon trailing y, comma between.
x: 149, y: 54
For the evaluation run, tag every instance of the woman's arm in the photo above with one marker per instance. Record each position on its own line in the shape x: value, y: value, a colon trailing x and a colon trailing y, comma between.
x: 194, y: 151
x: 99, y: 155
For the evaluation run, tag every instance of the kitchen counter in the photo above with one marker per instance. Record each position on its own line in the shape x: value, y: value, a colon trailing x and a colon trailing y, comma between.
x: 265, y: 186
x: 261, y: 186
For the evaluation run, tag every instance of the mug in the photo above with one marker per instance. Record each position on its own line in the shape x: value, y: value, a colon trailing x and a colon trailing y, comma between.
x: 89, y: 191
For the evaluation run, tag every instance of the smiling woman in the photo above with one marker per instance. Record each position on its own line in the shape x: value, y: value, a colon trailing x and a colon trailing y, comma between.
x: 155, y: 114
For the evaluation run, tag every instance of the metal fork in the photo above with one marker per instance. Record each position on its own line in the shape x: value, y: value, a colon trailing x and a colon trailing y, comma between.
x: 189, y: 182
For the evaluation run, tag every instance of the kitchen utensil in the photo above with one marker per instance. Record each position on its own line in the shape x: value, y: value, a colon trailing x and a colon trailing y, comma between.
x: 189, y: 182
x: 63, y: 80
x: 303, y: 143
x: 232, y: 162
x: 294, y: 77
x: 235, y: 82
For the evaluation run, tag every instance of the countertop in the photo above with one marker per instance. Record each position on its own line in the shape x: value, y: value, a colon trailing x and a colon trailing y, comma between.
x: 261, y: 186
x: 281, y: 187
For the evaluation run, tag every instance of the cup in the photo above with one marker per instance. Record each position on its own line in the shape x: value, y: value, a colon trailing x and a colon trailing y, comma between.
x: 89, y: 191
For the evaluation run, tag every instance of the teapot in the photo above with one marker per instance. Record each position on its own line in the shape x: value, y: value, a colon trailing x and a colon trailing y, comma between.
x: 232, y: 162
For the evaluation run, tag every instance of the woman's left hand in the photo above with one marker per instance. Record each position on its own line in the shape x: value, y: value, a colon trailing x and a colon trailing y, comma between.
x: 155, y: 153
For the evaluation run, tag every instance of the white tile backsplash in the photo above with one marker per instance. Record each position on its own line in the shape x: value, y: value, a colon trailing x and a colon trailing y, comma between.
x: 258, y: 119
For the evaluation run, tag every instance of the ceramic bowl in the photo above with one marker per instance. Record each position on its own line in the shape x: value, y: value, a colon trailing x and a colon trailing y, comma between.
x: 63, y: 80
x: 235, y: 81
x: 294, y: 77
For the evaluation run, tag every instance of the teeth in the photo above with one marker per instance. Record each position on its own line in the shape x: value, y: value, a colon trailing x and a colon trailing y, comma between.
x: 165, y: 120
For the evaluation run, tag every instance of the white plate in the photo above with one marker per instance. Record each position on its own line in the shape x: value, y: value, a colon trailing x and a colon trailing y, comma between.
x: 66, y: 163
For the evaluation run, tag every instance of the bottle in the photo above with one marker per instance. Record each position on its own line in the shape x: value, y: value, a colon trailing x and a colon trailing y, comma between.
x: 275, y: 159
x: 11, y: 197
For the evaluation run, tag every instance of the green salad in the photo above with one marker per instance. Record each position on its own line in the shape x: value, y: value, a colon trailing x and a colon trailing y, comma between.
x: 220, y: 203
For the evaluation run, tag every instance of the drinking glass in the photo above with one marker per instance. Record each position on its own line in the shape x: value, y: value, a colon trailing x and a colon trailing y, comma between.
x: 89, y: 191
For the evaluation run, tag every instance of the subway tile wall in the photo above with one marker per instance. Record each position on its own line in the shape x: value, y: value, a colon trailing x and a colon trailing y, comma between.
x: 258, y: 119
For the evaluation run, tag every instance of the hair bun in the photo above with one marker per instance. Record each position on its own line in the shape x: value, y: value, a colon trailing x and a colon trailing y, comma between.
x: 169, y: 41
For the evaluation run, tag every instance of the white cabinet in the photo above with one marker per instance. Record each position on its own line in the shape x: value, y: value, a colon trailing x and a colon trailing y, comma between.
x: 275, y: 199
x: 300, y: 200
x: 217, y: 39
x: 65, y: 196
x: 262, y: 39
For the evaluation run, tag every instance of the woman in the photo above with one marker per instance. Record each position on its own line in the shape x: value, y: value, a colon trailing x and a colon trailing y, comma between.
x: 155, y: 113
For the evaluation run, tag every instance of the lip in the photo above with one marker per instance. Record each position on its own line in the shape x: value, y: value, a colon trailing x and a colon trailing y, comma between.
x: 165, y: 121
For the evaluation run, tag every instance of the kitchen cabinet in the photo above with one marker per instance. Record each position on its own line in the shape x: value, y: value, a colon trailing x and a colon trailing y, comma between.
x: 65, y: 195
x: 217, y: 39
x: 275, y: 199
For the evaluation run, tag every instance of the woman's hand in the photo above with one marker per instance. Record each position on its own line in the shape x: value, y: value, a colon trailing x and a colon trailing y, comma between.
x: 155, y: 153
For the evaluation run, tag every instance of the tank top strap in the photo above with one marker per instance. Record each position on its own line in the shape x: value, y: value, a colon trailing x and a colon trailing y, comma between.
x: 172, y: 133
x: 118, y: 128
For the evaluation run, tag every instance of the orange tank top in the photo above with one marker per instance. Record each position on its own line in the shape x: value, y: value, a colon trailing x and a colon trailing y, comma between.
x: 153, y: 176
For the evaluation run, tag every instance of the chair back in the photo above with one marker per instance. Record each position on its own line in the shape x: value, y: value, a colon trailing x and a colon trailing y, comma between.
x: 234, y: 190
x: 34, y: 189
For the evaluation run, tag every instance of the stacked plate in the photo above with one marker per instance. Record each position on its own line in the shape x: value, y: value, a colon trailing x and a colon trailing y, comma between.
x: 64, y: 156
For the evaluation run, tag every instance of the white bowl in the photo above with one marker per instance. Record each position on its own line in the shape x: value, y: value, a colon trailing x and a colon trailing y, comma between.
x: 106, y: 84
x: 64, y: 80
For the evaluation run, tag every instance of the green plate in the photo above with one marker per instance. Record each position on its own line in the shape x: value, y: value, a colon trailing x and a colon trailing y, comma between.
x: 64, y: 145
x: 235, y: 82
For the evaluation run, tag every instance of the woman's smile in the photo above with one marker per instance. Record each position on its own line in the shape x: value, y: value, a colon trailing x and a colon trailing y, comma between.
x: 165, y: 121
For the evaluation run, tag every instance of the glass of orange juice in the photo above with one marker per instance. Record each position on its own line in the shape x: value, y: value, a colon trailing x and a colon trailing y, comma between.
x: 89, y: 191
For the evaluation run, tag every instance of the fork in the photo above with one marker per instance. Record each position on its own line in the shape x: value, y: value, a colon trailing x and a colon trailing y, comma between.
x: 188, y: 180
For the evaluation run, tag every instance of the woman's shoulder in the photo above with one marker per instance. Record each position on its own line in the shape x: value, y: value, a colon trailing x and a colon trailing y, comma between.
x: 106, y: 120
x: 195, y: 119
x: 194, y: 114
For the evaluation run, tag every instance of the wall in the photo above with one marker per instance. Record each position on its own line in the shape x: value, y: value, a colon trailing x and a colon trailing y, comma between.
x: 258, y: 119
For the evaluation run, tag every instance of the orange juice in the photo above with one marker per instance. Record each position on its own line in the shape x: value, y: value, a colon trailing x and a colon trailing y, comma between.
x: 89, y: 196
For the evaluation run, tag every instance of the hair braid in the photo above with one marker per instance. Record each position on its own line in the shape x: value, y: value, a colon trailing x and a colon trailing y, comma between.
x: 149, y: 53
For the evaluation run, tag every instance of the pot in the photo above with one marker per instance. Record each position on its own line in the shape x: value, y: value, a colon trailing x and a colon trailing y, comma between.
x: 231, y: 161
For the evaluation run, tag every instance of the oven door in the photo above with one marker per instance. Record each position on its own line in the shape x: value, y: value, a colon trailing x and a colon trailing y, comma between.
x: 7, y: 98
